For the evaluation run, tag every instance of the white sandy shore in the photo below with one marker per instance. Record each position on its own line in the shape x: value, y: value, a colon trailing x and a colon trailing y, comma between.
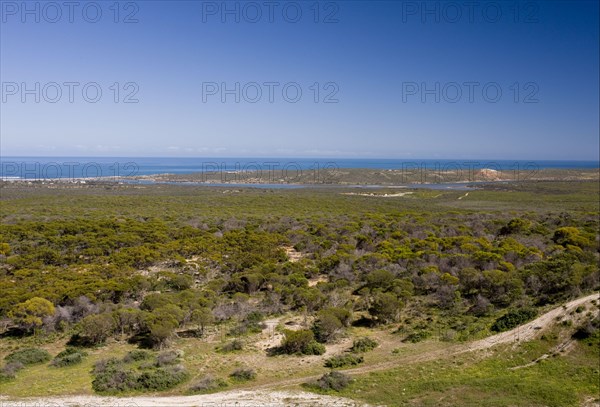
x: 235, y: 398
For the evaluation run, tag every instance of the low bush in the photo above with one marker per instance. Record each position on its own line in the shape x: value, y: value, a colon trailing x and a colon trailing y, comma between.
x: 168, y: 358
x: 162, y: 378
x: 232, y: 346
x: 29, y: 356
x: 111, y: 376
x: 314, y: 348
x: 301, y: 342
x: 243, y: 374
x: 343, y: 361
x: 417, y: 336
x: 333, y: 381
x: 206, y: 384
x: 363, y: 345
x: 589, y: 332
x: 68, y: 357
x: 9, y: 371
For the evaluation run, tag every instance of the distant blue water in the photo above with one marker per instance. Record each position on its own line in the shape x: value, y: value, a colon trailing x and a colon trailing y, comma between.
x: 39, y: 168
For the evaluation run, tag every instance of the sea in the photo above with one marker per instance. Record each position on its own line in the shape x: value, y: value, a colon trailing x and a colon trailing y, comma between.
x: 78, y: 168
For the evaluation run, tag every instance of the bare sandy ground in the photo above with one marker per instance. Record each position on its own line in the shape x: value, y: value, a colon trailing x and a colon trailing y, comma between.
x: 225, y: 399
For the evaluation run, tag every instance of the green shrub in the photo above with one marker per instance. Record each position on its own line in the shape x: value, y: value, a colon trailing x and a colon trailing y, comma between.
x: 29, y: 356
x: 314, y: 348
x: 113, y: 376
x: 333, y: 381
x: 243, y: 374
x: 68, y: 357
x: 513, y: 319
x: 363, y: 345
x: 110, y: 375
x: 343, y: 361
x: 162, y: 378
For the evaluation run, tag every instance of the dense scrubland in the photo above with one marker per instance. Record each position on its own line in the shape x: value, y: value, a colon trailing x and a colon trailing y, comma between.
x: 141, y: 288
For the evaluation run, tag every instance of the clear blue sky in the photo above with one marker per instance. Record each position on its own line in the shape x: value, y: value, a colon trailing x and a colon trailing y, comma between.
x: 378, y: 55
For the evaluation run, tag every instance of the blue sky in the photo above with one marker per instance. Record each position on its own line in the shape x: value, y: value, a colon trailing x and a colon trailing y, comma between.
x: 383, y: 64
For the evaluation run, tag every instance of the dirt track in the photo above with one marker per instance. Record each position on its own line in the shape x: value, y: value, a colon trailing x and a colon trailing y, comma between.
x: 264, y: 396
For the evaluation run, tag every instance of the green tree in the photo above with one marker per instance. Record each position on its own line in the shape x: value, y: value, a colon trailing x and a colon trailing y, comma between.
x: 381, y: 279
x: 301, y: 342
x: 30, y: 314
x: 326, y: 327
x: 202, y: 317
x: 97, y: 328
x: 385, y: 307
x: 162, y: 322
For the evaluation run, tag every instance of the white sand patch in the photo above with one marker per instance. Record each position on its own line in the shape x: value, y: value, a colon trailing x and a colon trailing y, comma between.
x: 378, y: 195
x: 236, y: 398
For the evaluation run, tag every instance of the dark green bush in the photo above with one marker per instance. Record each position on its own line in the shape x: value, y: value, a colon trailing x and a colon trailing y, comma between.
x: 68, y: 357
x: 343, y: 361
x: 243, y: 374
x: 363, y: 345
x: 589, y: 332
x: 301, y: 342
x: 314, y: 348
x: 513, y: 319
x: 333, y: 381
x: 29, y: 356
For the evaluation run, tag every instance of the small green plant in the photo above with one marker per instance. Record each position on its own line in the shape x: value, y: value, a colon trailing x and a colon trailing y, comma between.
x: 363, y: 345
x: 29, y: 356
x: 343, y: 361
x: 243, y: 374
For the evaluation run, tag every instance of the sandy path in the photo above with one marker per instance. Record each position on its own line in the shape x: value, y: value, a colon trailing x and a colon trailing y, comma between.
x: 264, y: 397
x: 521, y: 333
